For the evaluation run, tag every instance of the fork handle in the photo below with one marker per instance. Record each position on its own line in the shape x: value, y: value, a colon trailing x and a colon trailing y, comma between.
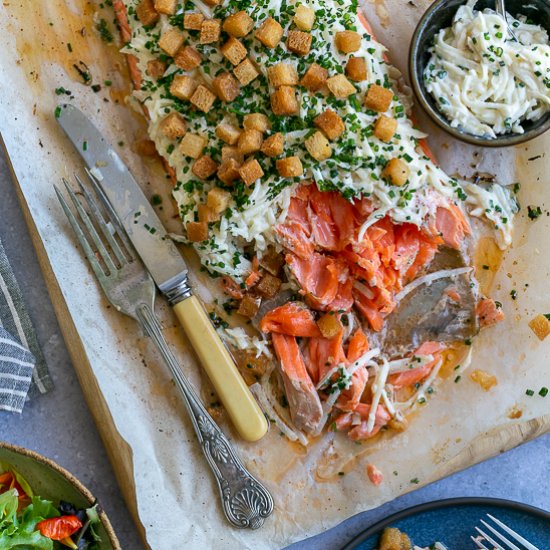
x: 242, y: 408
x: 246, y: 502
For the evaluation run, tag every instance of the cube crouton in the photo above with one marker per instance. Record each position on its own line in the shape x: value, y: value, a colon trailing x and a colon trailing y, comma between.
x: 193, y: 21
x: 212, y: 3
x: 251, y: 171
x: 203, y: 98
x: 298, y: 42
x: 289, y: 167
x: 396, y: 172
x: 173, y: 126
x: 226, y: 87
x: 393, y: 539
x: 183, y: 87
x: 356, y: 69
x: 484, y: 379
x: 340, y: 86
x: 156, y: 68
x: 206, y: 214
x: 314, y: 78
x: 192, y: 145
x: 378, y: 98
x: 269, y: 33
x: 168, y: 7
x: 540, y: 325
x: 230, y: 152
x: 228, y: 132
x: 218, y: 200
x: 347, y: 41
x: 256, y: 121
x: 246, y: 72
x: 304, y: 18
x: 204, y: 167
x: 228, y: 171
x: 330, y: 124
x: 272, y: 261
x: 268, y: 285
x: 197, y: 231
x: 171, y: 41
x: 250, y: 141
x: 329, y: 325
x: 385, y: 128
x: 187, y: 58
x: 210, y: 31
x: 282, y: 74
x: 273, y: 146
x: 238, y: 24
x: 318, y: 146
x: 146, y: 13
x: 284, y: 102
x: 234, y: 51
x: 249, y: 306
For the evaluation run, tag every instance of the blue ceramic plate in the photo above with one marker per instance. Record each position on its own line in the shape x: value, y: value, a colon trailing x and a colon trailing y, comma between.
x: 452, y: 521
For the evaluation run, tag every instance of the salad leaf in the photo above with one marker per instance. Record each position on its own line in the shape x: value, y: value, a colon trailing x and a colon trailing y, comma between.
x: 8, y: 512
x: 19, y: 478
x: 33, y: 540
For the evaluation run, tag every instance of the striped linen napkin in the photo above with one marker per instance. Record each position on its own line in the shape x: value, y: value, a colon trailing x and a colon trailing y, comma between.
x: 23, y: 371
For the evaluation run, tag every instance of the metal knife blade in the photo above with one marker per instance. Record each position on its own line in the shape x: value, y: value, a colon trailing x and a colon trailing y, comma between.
x: 144, y: 228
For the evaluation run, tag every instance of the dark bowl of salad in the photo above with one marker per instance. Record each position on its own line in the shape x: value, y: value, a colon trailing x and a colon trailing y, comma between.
x: 44, y: 507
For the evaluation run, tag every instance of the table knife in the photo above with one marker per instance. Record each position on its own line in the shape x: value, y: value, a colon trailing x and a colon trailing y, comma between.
x: 167, y: 267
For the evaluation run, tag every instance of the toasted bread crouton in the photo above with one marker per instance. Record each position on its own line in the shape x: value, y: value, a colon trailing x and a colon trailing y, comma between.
x: 272, y: 261
x: 203, y: 98
x: 314, y: 78
x: 540, y: 325
x: 210, y: 31
x: 146, y: 13
x: 230, y: 152
x: 393, y: 539
x: 385, y: 128
x: 183, y: 86
x: 234, y: 51
x: 156, y: 68
x: 226, y: 87
x: 304, y: 18
x: 171, y: 41
x: 273, y: 146
x: 330, y: 124
x: 347, y: 41
x: 228, y: 133
x: 256, y: 121
x: 284, y: 102
x: 238, y: 24
x: 246, y: 72
x: 173, y: 126
x: 187, y: 58
x: 212, y: 3
x: 396, y: 172
x: 218, y: 200
x: 289, y: 167
x: 298, y: 42
x: 250, y: 141
x: 168, y: 7
x: 197, y: 231
x: 340, y: 86
x: 251, y: 171
x: 206, y: 214
x: 192, y: 145
x: 318, y: 146
x: 269, y: 33
x: 193, y: 21
x: 356, y: 69
x: 329, y: 325
x: 282, y: 74
x: 204, y: 167
x: 228, y: 171
x: 249, y: 306
x: 268, y: 285
x: 378, y: 98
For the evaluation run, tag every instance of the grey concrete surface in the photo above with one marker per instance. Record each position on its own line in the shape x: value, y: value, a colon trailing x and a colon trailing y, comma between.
x: 59, y: 424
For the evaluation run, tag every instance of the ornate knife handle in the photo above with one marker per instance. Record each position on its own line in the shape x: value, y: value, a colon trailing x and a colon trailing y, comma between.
x: 246, y: 502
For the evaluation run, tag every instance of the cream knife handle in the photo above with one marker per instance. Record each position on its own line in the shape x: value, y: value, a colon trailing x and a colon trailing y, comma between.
x: 242, y: 408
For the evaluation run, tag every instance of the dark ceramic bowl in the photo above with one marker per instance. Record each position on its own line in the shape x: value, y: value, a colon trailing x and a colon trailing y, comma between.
x: 440, y: 15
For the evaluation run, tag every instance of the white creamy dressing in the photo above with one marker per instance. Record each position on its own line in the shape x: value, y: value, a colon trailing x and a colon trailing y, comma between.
x: 483, y: 81
x: 358, y: 157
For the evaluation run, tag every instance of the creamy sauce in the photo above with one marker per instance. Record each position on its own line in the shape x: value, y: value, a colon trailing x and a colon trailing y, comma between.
x: 483, y: 81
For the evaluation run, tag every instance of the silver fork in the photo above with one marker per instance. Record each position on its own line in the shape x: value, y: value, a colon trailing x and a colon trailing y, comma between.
x: 496, y: 534
x: 131, y: 290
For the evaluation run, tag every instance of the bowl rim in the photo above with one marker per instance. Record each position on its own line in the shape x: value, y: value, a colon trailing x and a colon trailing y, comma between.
x: 505, y: 140
x: 86, y: 493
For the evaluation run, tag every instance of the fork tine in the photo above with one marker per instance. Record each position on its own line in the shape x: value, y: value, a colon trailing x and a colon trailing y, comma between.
x: 479, y: 544
x: 500, y: 536
x: 495, y: 544
x: 101, y: 222
x: 106, y: 257
x: 513, y: 534
x: 82, y: 239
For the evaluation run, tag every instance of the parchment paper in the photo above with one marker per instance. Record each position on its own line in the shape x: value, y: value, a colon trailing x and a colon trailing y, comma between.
x: 177, y: 500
